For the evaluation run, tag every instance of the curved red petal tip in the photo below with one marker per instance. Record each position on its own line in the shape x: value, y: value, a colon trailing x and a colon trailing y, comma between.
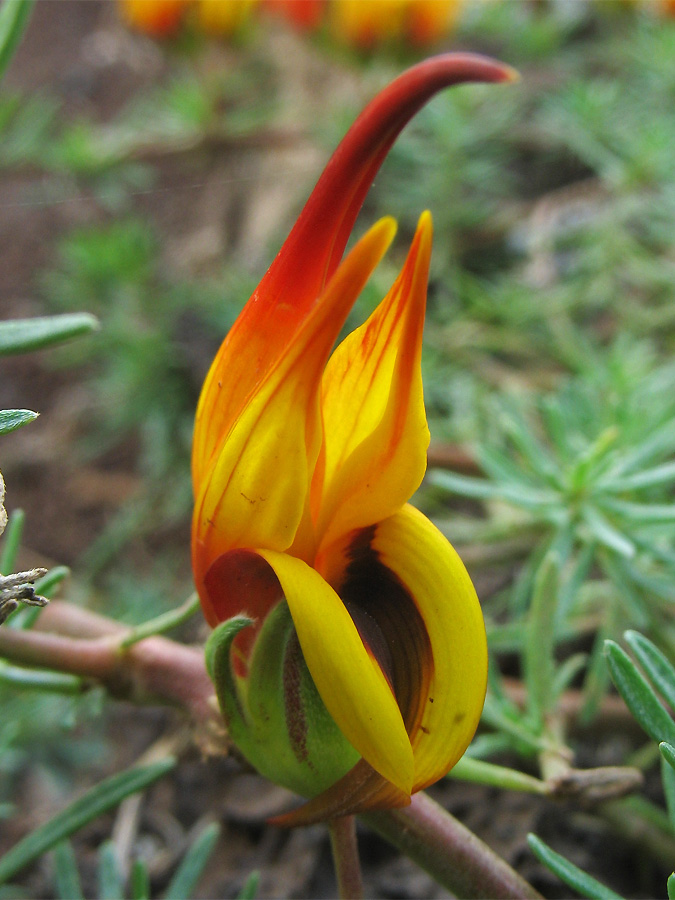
x: 314, y: 248
x: 321, y: 232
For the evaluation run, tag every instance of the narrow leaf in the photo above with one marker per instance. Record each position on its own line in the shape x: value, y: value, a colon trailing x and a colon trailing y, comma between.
x: 670, y: 884
x: 12, y: 541
x: 638, y: 695
x: 250, y: 888
x: 668, y: 753
x: 607, y: 534
x: 477, y: 771
x: 481, y: 489
x: 641, y: 512
x: 668, y: 781
x: 41, y: 680
x: 14, y: 16
x: 24, y: 335
x: 11, y: 419
x: 99, y: 799
x: 540, y: 645
x: 657, y: 668
x: 110, y: 886
x: 190, y: 870
x: 68, y: 884
x: 647, y: 478
x: 566, y: 871
x: 140, y: 881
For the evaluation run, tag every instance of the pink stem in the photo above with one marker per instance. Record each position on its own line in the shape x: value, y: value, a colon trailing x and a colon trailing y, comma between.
x: 154, y: 670
x: 346, y: 857
x: 452, y: 854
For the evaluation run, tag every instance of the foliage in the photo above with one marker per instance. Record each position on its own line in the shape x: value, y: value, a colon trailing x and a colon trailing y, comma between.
x: 640, y: 692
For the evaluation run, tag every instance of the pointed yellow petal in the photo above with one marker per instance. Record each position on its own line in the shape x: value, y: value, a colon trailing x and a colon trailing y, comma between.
x: 376, y: 435
x: 255, y: 489
x: 350, y: 682
x: 429, y: 568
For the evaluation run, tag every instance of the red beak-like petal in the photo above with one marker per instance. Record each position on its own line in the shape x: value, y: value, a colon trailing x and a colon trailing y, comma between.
x: 316, y: 244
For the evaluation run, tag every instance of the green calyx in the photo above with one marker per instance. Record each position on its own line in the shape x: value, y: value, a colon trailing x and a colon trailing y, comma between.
x: 275, y: 715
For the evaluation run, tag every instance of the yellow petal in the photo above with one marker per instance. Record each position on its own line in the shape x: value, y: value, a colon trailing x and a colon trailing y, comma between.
x: 254, y: 491
x: 376, y: 435
x: 434, y: 575
x: 350, y: 682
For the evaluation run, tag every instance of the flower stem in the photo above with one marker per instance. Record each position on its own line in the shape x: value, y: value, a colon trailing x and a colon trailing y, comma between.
x: 346, y: 857
x: 452, y: 854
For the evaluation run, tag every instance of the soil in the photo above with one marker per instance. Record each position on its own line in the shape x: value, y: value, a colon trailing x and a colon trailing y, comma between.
x: 80, y: 52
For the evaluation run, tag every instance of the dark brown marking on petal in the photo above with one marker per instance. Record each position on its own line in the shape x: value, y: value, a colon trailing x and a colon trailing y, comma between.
x: 390, y: 625
x: 296, y: 720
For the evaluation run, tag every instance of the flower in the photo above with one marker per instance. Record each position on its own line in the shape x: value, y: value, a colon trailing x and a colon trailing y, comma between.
x: 224, y: 17
x: 370, y: 23
x: 303, y: 464
x: 166, y: 18
x: 305, y: 15
x: 158, y: 18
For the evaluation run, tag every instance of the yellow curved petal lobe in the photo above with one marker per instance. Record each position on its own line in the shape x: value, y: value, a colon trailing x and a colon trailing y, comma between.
x: 434, y: 575
x: 349, y: 680
x: 376, y: 434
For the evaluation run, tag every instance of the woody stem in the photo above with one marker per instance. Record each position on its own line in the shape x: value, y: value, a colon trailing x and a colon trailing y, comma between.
x: 346, y: 857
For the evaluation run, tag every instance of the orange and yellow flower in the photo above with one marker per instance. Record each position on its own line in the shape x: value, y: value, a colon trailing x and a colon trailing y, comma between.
x: 370, y: 23
x: 159, y: 18
x: 303, y: 465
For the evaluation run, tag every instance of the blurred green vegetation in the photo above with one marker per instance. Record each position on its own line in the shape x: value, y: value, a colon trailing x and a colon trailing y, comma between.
x: 548, y: 358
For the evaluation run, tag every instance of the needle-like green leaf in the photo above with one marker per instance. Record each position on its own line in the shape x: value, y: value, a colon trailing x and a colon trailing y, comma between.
x: 99, y: 799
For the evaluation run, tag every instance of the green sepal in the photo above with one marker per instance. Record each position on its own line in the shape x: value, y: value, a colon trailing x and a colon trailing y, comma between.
x: 275, y: 715
x: 218, y: 666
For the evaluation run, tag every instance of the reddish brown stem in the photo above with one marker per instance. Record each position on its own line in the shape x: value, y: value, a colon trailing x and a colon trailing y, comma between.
x: 154, y: 670
x: 346, y: 857
x: 452, y: 854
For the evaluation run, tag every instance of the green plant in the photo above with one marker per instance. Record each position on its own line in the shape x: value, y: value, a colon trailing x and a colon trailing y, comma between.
x: 645, y: 695
x: 585, y: 473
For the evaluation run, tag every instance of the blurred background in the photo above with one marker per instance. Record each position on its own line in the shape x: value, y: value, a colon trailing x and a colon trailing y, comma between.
x: 153, y: 156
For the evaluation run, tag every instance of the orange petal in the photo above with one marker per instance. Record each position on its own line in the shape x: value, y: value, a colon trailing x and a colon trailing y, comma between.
x: 309, y: 257
x: 375, y: 429
x: 254, y: 492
